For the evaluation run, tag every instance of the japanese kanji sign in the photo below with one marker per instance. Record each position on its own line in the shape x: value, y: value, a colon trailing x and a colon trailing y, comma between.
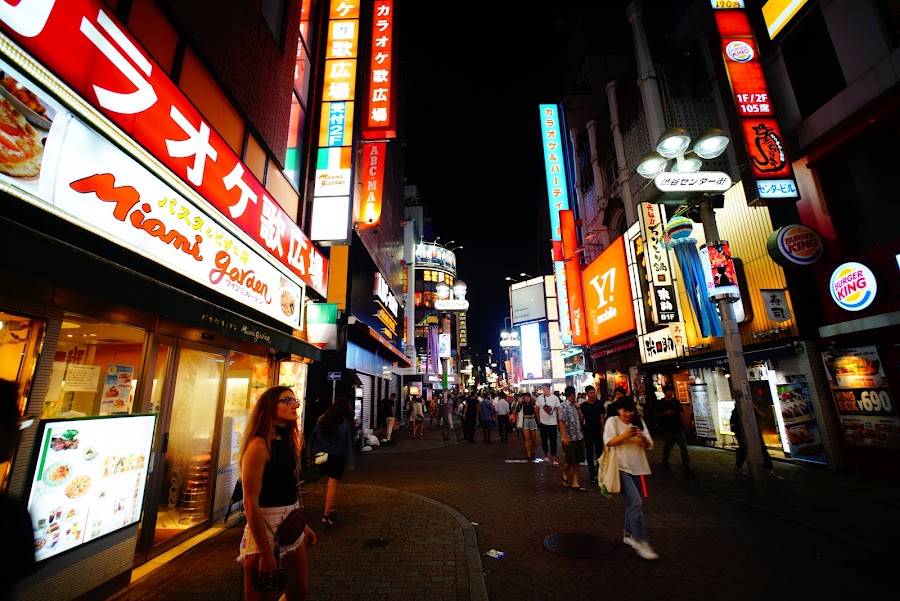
x: 772, y: 174
x: 81, y: 42
x: 776, y: 304
x: 702, y: 181
x: 658, y: 265
x: 663, y: 344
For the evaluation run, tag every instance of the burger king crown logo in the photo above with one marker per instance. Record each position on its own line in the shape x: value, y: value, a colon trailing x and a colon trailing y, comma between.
x: 739, y: 52
x: 799, y: 244
x: 853, y: 286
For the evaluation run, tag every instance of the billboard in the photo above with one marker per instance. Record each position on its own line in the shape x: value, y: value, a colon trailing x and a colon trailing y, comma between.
x: 529, y: 303
x: 607, y: 294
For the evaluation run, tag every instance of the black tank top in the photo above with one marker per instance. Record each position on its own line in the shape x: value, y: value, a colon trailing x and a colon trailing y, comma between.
x: 279, y: 483
x: 528, y: 409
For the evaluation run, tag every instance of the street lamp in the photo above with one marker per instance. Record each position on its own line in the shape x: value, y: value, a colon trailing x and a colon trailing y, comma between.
x: 454, y: 248
x: 674, y: 144
x: 525, y: 275
x: 512, y: 279
x: 452, y: 300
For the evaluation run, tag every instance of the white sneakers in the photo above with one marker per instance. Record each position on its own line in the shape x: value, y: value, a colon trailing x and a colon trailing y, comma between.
x: 641, y: 547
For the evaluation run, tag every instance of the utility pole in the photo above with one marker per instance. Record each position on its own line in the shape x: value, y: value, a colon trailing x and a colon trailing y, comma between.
x: 734, y: 351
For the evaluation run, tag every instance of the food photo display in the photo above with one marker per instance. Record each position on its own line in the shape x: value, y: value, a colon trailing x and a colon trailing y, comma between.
x: 89, y: 479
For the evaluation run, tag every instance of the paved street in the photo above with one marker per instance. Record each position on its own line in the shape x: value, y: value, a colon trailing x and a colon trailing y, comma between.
x: 416, y: 519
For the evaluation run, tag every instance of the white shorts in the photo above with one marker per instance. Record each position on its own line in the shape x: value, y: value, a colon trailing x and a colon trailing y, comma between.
x: 529, y: 423
x: 273, y: 516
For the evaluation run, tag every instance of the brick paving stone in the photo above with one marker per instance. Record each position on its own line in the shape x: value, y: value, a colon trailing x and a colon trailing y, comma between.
x: 818, y: 533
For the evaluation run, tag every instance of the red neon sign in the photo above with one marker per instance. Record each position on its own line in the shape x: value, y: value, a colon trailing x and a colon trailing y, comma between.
x: 381, y: 121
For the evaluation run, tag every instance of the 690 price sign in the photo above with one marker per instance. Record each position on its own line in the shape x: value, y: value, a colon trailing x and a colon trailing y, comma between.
x: 863, y: 401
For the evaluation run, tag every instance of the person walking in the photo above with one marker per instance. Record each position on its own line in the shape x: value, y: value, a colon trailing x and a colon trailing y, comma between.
x: 15, y: 521
x: 629, y: 435
x: 741, y: 454
x: 547, y: 410
x: 593, y: 417
x: 609, y: 408
x: 529, y: 425
x: 434, y: 416
x: 387, y: 417
x: 470, y: 418
x: 487, y: 416
x: 312, y: 410
x: 514, y: 401
x: 503, y: 425
x: 334, y: 435
x: 570, y: 431
x: 670, y: 426
x: 417, y: 416
x: 270, y: 470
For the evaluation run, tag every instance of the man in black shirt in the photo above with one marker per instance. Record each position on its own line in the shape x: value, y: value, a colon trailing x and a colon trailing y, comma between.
x: 592, y: 413
x: 668, y: 412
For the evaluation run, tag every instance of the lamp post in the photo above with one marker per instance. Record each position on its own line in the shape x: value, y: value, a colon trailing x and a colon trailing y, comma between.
x: 673, y: 144
x: 509, y: 340
x: 451, y: 300
x: 512, y: 279
x: 525, y: 275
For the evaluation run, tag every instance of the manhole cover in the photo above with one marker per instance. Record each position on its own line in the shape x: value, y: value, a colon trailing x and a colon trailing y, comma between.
x: 376, y: 543
x: 579, y: 545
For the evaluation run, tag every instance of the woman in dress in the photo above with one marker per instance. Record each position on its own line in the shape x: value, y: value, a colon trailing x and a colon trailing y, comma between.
x: 334, y: 435
x: 417, y: 415
x: 270, y: 464
x: 629, y: 435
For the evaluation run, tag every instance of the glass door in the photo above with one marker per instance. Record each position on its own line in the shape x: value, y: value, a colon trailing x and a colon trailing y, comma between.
x: 187, y: 391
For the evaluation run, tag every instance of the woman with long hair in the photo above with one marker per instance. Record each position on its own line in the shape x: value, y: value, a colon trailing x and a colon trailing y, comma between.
x: 270, y: 470
x: 334, y: 435
x: 529, y: 425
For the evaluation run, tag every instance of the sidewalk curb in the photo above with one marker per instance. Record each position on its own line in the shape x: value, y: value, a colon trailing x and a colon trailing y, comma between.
x: 477, y: 586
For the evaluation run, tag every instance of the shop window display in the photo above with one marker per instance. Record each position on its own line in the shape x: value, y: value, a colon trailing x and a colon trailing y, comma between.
x: 95, y: 369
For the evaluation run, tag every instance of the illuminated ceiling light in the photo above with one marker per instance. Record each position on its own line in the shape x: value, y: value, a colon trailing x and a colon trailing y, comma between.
x: 711, y: 143
x: 651, y: 164
x: 689, y: 163
x: 672, y: 142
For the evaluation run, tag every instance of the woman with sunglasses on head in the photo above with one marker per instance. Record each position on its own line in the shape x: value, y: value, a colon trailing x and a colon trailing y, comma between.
x: 334, y: 435
x: 270, y: 464
x: 629, y: 435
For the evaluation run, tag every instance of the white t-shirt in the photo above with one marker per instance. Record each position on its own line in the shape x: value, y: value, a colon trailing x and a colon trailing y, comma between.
x: 632, y: 458
x: 553, y: 402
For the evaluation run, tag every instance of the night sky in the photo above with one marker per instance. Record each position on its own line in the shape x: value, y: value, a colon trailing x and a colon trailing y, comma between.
x: 473, y: 84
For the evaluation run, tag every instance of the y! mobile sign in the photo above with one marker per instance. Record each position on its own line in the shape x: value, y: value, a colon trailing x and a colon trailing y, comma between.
x: 769, y: 163
x: 82, y: 43
x: 607, y: 294
x: 558, y: 193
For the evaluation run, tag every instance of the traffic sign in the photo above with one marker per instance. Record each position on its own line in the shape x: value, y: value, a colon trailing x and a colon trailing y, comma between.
x: 334, y: 375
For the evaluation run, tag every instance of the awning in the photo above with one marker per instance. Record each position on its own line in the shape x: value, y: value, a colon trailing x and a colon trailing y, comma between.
x: 395, y: 354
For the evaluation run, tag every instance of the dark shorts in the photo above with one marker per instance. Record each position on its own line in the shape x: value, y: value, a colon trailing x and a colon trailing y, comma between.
x: 333, y: 466
x: 574, y: 452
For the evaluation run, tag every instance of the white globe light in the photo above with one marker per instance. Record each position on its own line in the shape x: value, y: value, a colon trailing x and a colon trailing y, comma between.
x: 672, y: 142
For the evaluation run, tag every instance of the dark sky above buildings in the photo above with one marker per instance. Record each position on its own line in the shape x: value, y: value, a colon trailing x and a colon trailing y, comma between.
x: 474, y: 75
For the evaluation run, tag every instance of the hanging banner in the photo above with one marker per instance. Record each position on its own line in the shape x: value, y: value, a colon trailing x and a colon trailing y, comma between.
x: 721, y: 278
x: 381, y: 119
x: 664, y: 309
x: 573, y: 277
x: 776, y: 304
x: 372, y: 184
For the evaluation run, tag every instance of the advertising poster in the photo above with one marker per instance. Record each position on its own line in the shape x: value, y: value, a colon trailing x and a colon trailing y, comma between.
x: 726, y: 407
x: 89, y: 479
x: 863, y: 399
x: 800, y: 422
x: 703, y: 419
x: 721, y: 278
x: 118, y: 390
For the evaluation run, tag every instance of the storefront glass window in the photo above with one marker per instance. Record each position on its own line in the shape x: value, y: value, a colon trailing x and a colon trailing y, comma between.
x: 96, y: 369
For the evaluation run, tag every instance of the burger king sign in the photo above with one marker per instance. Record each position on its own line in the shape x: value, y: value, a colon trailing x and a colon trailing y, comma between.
x: 853, y: 286
x: 794, y: 246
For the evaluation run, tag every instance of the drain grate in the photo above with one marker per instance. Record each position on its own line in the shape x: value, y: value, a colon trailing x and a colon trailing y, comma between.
x: 579, y: 545
x: 376, y: 543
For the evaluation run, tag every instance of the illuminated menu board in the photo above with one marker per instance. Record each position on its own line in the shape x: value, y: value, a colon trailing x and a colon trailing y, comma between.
x: 769, y: 164
x: 89, y: 479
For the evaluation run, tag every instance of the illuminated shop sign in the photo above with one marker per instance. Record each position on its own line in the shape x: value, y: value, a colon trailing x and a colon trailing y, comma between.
x: 430, y: 255
x: 372, y: 184
x: 558, y: 193
x: 330, y: 219
x: 381, y: 120
x: 778, y: 13
x: 853, y: 286
x: 772, y: 175
x: 794, y: 246
x: 607, y: 294
x: 663, y: 304
x: 573, y: 277
x: 93, y: 184
x: 81, y: 42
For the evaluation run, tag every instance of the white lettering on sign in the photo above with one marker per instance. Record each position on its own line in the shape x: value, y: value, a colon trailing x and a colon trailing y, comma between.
x: 599, y: 282
x: 384, y: 294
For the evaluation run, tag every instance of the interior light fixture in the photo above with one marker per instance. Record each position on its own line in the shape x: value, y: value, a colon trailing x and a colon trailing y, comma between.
x: 672, y: 142
x: 651, y: 164
x: 711, y: 143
